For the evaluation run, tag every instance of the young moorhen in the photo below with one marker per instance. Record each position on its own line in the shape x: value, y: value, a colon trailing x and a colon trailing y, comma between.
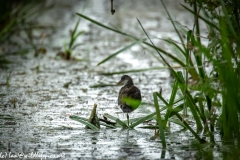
x: 129, y: 97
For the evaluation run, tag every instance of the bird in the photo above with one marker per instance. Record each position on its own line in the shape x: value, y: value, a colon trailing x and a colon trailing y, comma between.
x: 129, y: 97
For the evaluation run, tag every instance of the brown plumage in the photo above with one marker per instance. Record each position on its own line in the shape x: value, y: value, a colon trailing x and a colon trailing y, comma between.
x: 129, y: 97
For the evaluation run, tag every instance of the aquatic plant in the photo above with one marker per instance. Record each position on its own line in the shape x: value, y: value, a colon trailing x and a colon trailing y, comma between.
x: 72, y: 45
x: 222, y: 53
x: 107, y: 121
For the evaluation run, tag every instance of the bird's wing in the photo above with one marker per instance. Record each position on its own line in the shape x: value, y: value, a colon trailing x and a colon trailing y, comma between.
x: 134, y: 93
x: 122, y: 93
x: 131, y: 92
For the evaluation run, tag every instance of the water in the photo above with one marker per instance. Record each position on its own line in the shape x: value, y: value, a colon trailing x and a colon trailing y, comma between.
x: 45, y: 90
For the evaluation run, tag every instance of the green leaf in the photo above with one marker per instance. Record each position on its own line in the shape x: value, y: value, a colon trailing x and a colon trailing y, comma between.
x: 172, y: 42
x: 142, y: 120
x: 164, y: 60
x: 118, y: 52
x: 83, y: 121
x: 171, y: 102
x: 173, y: 24
x: 107, y: 125
x: 77, y: 35
x: 202, y: 18
x: 190, y: 101
x: 159, y: 120
x: 104, y: 26
x: 118, y: 121
x: 102, y: 85
x: 133, y: 71
x: 176, y: 122
x: 190, y: 129
x: 134, y: 38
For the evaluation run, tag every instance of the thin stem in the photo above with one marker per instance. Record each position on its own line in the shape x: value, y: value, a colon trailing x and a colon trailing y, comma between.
x: 128, y: 119
x: 112, y: 10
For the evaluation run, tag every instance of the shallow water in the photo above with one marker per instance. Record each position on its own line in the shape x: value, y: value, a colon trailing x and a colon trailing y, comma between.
x: 45, y: 90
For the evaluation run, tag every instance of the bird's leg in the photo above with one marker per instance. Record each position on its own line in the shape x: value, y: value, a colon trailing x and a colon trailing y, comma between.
x: 128, y: 119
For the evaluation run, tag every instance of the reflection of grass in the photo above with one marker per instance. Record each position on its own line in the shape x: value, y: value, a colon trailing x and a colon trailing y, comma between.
x: 222, y: 53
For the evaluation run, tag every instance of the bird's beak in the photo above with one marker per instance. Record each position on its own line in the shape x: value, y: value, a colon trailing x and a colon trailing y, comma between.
x: 120, y: 83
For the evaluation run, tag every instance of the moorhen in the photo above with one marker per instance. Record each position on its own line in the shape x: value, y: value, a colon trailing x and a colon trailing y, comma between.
x: 129, y: 97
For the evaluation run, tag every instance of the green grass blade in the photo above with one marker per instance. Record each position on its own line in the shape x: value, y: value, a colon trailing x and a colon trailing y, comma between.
x: 173, y: 43
x: 102, y: 85
x: 149, y: 127
x: 174, y: 92
x: 171, y: 102
x: 197, y: 55
x: 169, y: 55
x: 76, y: 36
x: 189, y: 62
x: 183, y: 56
x: 190, y: 129
x: 179, y: 100
x: 164, y: 101
x: 175, y: 110
x: 75, y: 28
x: 76, y: 45
x: 159, y: 120
x: 133, y: 37
x: 229, y: 22
x: 132, y: 71
x: 104, y: 26
x: 171, y: 69
x: 202, y: 18
x: 151, y: 52
x: 107, y: 125
x: 83, y: 121
x: 118, y: 121
x: 177, y: 122
x: 176, y: 30
x: 202, y: 113
x: 73, y: 34
x: 118, y: 52
x: 142, y: 120
x: 191, y: 103
x: 133, y: 120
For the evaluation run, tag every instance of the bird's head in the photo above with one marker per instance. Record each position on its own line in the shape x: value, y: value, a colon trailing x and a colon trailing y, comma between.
x: 125, y: 80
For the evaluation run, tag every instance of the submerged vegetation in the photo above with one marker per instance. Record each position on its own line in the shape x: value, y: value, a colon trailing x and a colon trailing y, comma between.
x: 215, y: 91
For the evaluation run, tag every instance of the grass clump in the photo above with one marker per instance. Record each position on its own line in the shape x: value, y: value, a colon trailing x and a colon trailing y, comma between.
x: 222, y: 53
x: 72, y: 45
